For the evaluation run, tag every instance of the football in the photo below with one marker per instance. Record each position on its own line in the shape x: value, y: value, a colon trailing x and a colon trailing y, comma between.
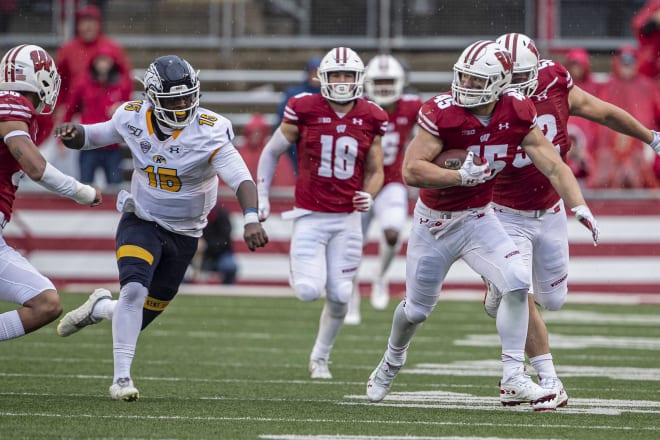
x: 453, y: 159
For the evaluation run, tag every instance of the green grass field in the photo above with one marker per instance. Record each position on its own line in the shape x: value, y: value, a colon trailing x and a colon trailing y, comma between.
x: 236, y: 368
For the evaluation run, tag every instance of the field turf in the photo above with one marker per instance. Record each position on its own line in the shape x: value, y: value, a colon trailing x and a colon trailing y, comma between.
x: 214, y: 367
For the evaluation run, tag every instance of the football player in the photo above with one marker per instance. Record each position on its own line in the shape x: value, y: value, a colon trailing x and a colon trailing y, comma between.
x: 179, y: 149
x: 531, y: 210
x: 340, y: 169
x: 453, y: 218
x: 29, y: 85
x: 384, y: 81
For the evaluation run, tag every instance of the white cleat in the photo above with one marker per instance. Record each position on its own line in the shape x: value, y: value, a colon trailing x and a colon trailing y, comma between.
x: 81, y: 317
x: 521, y: 389
x: 559, y: 401
x: 353, y: 316
x: 318, y: 369
x: 492, y: 299
x: 380, y: 295
x: 124, y: 389
x: 380, y: 381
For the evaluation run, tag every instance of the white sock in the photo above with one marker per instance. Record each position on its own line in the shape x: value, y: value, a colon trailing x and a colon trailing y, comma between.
x: 332, y: 318
x: 10, y: 325
x: 545, y: 368
x: 126, y: 324
x: 400, y: 336
x: 104, y: 309
x: 511, y: 323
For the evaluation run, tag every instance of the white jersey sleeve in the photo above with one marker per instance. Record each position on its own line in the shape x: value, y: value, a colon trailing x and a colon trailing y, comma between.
x: 101, y: 134
x: 231, y: 167
x: 175, y: 181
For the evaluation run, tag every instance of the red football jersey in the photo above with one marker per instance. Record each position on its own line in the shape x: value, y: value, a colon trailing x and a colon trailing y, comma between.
x: 332, y: 150
x: 402, y: 121
x: 517, y: 182
x: 513, y: 118
x: 13, y: 107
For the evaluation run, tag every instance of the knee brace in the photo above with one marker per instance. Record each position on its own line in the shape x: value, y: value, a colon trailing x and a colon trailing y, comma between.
x: 416, y: 313
x: 341, y: 292
x: 306, y: 292
x: 550, y: 302
x: 135, y: 293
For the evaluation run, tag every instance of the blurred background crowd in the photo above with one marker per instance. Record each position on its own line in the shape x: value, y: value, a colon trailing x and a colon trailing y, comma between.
x: 254, y: 54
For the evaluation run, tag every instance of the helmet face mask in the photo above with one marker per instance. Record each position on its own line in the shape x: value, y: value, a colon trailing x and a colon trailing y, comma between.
x: 485, y: 60
x: 172, y: 87
x: 525, y: 57
x: 341, y: 59
x: 384, y: 80
x: 29, y: 68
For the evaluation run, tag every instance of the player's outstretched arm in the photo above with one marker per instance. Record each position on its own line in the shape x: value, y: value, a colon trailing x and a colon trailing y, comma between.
x: 587, y: 106
x: 36, y: 167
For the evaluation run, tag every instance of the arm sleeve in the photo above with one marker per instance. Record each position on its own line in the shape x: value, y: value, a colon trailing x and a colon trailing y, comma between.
x: 230, y: 166
x: 276, y: 146
x: 101, y: 134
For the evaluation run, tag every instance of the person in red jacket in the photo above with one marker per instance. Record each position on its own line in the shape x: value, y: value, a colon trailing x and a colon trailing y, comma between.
x: 74, y: 57
x: 646, y: 28
x: 94, y: 97
x: 621, y: 161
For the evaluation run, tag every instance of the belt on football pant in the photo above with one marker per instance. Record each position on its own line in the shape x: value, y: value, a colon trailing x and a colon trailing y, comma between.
x: 444, y: 215
x: 3, y: 221
x: 535, y: 213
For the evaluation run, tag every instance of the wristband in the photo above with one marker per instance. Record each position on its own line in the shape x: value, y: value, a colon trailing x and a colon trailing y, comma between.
x: 250, y: 216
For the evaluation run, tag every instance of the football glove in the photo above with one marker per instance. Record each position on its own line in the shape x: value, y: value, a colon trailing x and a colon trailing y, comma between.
x: 584, y: 216
x: 655, y: 143
x: 471, y: 173
x: 362, y: 201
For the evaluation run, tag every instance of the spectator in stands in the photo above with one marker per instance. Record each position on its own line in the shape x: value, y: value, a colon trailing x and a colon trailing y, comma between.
x: 94, y: 98
x: 74, y: 57
x: 310, y: 84
x: 216, y: 247
x: 7, y: 10
x: 578, y: 64
x: 622, y: 161
x: 255, y: 135
x: 646, y: 28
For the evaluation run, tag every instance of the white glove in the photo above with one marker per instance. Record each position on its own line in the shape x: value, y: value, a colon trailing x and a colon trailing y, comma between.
x: 362, y: 201
x: 472, y: 174
x: 655, y: 143
x: 264, y: 206
x: 584, y: 216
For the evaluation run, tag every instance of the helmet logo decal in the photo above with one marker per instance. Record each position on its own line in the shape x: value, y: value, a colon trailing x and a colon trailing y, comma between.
x: 41, y: 60
x: 505, y: 59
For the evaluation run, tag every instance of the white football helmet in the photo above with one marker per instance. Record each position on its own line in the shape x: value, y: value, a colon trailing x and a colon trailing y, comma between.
x: 525, y: 57
x: 168, y: 78
x: 384, y: 68
x: 483, y: 59
x: 341, y: 59
x: 29, y: 68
